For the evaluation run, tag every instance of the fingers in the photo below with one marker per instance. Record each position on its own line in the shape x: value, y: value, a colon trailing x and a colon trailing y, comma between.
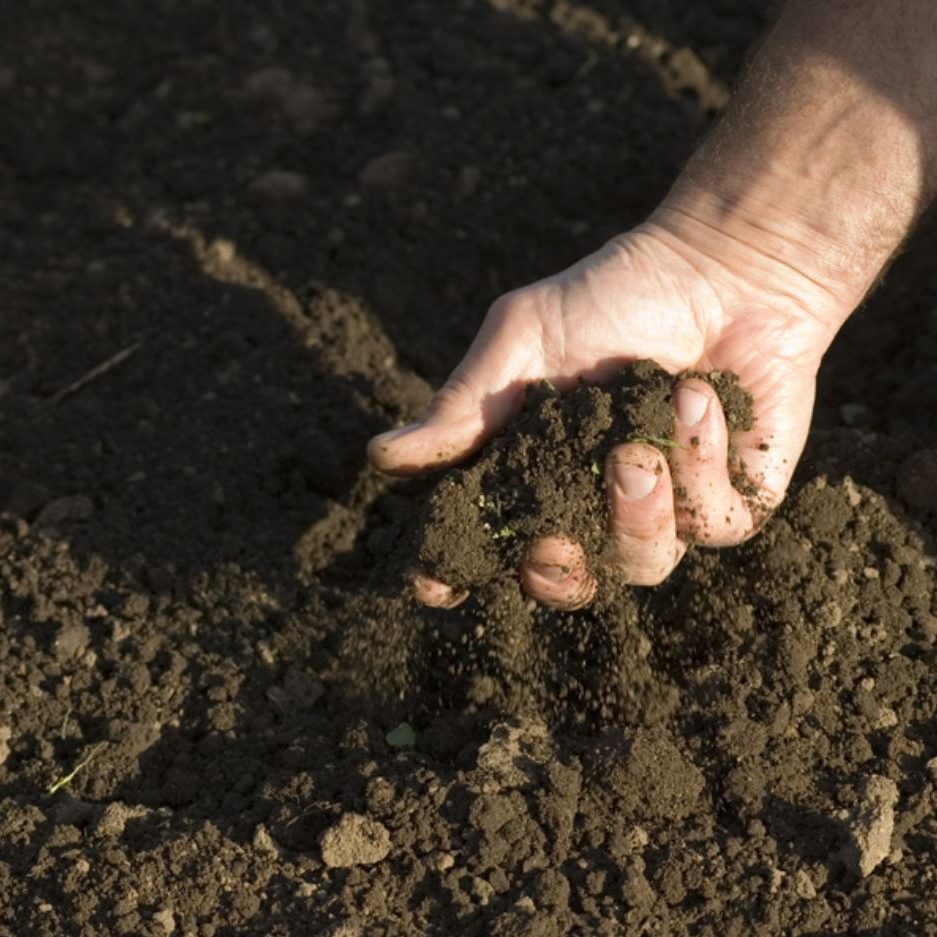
x: 555, y: 573
x: 434, y: 593
x: 709, y: 509
x: 480, y: 396
x: 642, y: 524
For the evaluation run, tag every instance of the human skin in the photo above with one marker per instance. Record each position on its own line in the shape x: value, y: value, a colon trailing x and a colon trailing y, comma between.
x: 769, y: 239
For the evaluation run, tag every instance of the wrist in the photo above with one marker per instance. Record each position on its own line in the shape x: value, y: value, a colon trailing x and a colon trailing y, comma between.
x: 763, y: 243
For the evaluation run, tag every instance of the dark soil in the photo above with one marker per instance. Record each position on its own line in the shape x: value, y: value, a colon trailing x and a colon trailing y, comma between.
x: 278, y: 226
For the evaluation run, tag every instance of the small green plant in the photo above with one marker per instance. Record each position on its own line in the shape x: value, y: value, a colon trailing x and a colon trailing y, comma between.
x: 492, y: 505
x: 68, y: 778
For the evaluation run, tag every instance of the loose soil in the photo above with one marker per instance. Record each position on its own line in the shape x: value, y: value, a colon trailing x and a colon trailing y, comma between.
x: 278, y: 226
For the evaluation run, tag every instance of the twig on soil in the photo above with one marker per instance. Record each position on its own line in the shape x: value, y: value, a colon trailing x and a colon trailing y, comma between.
x: 68, y: 778
x: 99, y: 370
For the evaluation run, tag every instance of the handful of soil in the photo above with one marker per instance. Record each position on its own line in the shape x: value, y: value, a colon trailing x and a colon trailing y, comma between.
x: 544, y: 474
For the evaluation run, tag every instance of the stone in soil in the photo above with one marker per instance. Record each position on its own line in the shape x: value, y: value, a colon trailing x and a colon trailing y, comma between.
x: 355, y: 840
x: 871, y: 825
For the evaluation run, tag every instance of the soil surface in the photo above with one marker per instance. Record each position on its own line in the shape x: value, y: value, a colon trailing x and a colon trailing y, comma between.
x: 235, y: 241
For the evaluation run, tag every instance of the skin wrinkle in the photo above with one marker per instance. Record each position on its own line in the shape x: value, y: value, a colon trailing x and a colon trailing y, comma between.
x: 773, y: 258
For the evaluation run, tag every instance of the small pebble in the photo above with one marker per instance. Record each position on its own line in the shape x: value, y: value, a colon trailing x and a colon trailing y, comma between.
x: 166, y: 919
x: 5, y: 735
x: 355, y: 840
x: 871, y: 825
x: 443, y: 861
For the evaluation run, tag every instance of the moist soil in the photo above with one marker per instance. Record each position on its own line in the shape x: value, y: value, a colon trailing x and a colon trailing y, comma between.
x: 239, y: 239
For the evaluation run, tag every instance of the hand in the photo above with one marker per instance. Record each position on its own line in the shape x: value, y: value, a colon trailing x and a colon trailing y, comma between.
x: 653, y: 293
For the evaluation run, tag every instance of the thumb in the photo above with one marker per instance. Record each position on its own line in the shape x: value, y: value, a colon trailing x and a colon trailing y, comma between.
x: 479, y: 397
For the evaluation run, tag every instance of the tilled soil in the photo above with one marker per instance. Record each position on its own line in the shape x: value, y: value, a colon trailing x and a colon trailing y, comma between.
x: 235, y: 241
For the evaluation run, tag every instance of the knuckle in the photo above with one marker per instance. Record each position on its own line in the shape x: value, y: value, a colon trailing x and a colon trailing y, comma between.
x: 508, y: 307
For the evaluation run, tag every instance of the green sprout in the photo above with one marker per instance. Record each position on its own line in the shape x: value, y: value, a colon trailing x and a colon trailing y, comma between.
x: 68, y: 778
x: 492, y: 504
x: 596, y: 468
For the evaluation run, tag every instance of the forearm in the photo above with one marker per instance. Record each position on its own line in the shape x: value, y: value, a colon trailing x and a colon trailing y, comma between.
x: 827, y: 154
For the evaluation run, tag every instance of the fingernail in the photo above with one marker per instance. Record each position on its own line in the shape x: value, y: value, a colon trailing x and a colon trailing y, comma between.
x: 395, y: 434
x: 549, y: 571
x: 690, y: 405
x: 634, y: 482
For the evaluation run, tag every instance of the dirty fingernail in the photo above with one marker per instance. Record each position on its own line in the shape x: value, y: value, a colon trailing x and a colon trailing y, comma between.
x: 550, y: 571
x: 690, y: 405
x: 634, y: 482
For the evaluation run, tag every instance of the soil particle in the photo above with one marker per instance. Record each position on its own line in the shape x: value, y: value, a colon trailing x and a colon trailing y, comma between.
x: 165, y: 919
x: 114, y: 818
x: 871, y: 825
x: 513, y: 752
x: 355, y: 840
x: 654, y: 779
x: 71, y: 640
x: 263, y: 841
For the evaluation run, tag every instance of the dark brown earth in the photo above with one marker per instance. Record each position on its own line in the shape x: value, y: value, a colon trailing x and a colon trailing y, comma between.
x: 278, y: 225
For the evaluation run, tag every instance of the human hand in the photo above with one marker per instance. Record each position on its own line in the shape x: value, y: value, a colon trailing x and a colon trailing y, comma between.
x: 664, y: 292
